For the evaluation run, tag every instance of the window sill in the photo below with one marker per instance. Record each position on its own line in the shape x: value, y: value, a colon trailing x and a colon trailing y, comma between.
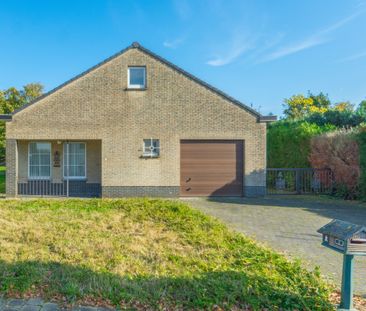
x: 75, y: 179
x: 135, y: 89
x: 149, y: 157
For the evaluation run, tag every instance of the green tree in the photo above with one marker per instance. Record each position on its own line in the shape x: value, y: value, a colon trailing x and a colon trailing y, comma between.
x: 11, y: 99
x: 320, y: 101
x: 361, y: 109
x: 344, y: 106
x: 298, y: 106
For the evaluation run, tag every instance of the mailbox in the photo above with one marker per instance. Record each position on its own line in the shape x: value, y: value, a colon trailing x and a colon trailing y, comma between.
x: 350, y: 240
x: 344, y: 237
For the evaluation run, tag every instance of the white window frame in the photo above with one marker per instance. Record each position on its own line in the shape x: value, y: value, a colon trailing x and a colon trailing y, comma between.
x: 136, y: 86
x: 338, y: 242
x: 64, y: 162
x: 148, y: 153
x: 39, y: 177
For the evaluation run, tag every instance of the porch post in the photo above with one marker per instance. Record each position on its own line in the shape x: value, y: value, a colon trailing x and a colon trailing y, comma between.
x: 11, y: 168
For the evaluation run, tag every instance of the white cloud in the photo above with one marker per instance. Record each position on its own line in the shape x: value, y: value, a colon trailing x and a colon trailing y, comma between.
x: 228, y: 58
x: 266, y: 44
x: 294, y: 48
x: 316, y: 39
x: 353, y: 57
x: 360, y: 3
x: 231, y: 55
x: 173, y: 44
x: 340, y: 23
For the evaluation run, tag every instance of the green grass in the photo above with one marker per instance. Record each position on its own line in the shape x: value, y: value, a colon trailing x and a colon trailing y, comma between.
x: 2, y: 179
x: 144, y: 253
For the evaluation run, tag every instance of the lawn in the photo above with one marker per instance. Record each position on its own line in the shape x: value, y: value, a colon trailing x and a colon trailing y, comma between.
x: 144, y: 253
x: 2, y: 179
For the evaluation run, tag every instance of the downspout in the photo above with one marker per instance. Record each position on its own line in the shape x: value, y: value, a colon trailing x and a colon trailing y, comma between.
x: 67, y: 169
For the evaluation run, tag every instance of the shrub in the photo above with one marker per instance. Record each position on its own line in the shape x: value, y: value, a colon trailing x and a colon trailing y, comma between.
x: 338, y: 118
x: 338, y: 151
x: 288, y: 142
x: 361, y: 138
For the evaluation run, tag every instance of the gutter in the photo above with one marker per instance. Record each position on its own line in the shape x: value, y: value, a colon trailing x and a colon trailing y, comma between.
x: 262, y: 119
x: 6, y: 117
x: 267, y: 119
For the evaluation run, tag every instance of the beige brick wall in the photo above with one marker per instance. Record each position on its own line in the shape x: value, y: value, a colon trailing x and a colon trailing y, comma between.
x: 97, y: 106
x: 11, y: 167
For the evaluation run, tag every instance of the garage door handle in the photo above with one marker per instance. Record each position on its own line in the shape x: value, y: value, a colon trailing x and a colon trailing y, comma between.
x: 188, y: 179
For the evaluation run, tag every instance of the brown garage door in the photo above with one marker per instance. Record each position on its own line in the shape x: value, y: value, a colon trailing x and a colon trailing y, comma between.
x: 211, y: 168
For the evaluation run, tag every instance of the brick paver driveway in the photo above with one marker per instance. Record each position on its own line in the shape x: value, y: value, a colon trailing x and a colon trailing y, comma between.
x: 288, y: 224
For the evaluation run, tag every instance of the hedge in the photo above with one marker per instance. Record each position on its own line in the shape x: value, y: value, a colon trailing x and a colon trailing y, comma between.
x: 288, y: 142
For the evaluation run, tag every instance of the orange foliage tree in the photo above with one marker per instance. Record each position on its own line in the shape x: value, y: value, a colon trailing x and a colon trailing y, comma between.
x: 338, y: 151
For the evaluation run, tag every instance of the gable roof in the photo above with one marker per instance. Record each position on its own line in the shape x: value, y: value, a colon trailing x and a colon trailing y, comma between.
x: 136, y: 45
x: 341, y: 229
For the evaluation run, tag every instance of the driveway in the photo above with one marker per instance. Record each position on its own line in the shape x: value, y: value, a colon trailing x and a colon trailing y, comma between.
x: 289, y: 224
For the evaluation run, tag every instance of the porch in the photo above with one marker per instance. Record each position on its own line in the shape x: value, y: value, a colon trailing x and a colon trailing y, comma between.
x: 57, y: 168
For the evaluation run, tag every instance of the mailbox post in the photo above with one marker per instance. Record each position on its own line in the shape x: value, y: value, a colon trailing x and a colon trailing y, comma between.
x: 350, y: 240
x: 347, y: 283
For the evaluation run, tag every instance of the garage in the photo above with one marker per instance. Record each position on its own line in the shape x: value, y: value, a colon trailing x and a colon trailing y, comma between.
x: 211, y: 168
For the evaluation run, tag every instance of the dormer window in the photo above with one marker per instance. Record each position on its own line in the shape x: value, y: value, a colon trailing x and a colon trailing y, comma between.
x: 136, y: 77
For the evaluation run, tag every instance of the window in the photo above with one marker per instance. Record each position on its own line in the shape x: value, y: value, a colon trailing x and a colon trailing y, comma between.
x: 339, y: 242
x: 136, y: 77
x: 75, y: 161
x: 151, y: 148
x: 39, y: 160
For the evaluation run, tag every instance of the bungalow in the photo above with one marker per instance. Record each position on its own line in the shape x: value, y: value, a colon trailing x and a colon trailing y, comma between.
x: 135, y: 125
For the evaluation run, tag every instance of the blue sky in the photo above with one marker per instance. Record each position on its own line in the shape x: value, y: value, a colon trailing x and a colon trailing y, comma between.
x: 260, y: 52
